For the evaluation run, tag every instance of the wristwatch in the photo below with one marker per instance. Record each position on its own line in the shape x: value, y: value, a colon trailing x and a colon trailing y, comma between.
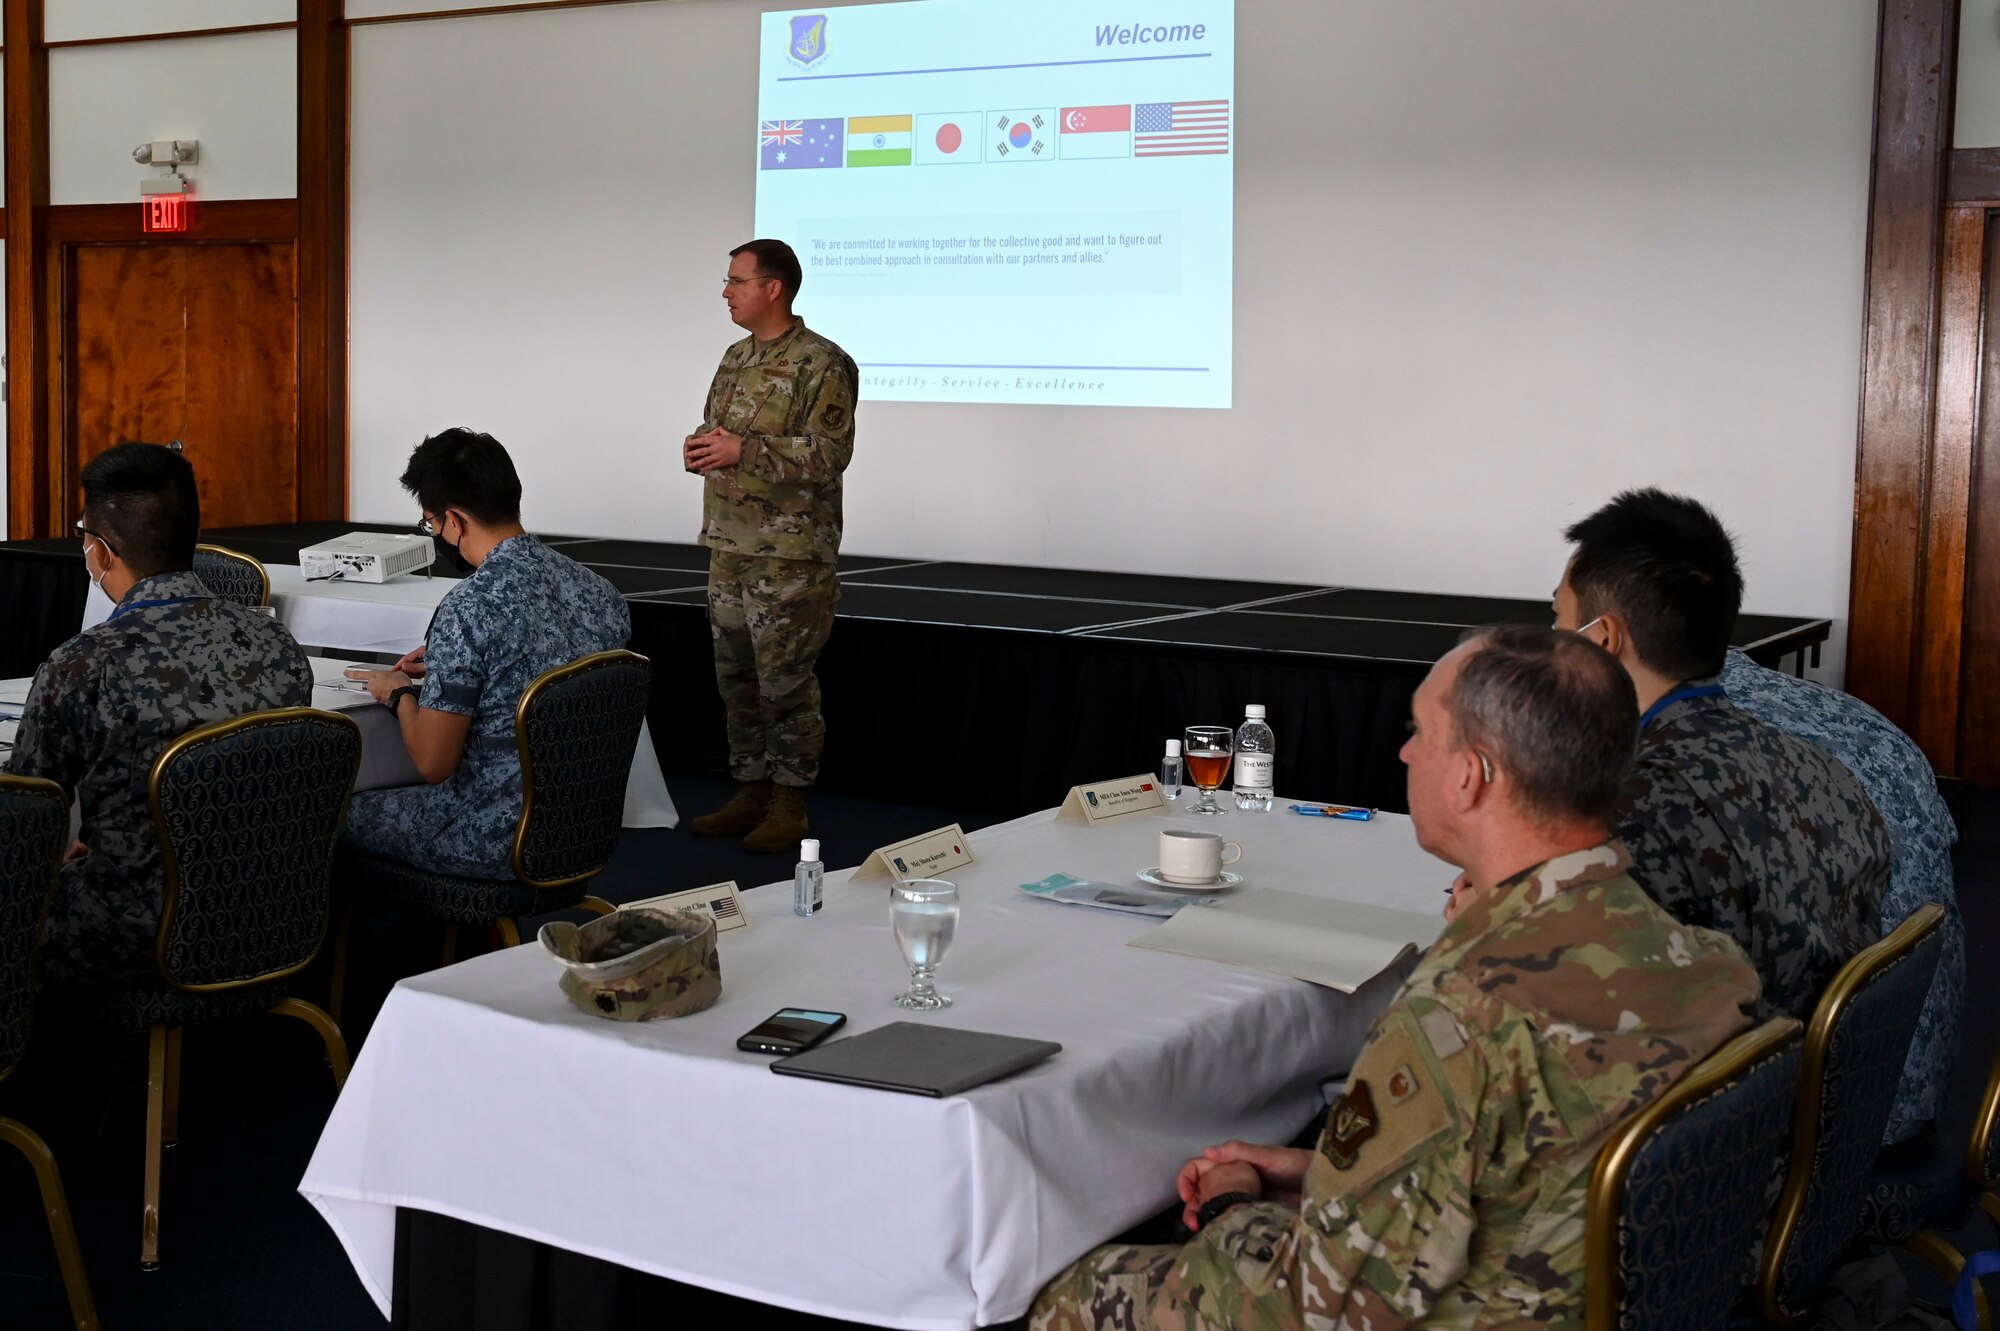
x: 396, y: 698
x: 1213, y: 1208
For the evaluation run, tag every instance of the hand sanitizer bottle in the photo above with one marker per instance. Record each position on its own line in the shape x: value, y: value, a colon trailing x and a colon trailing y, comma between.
x: 1170, y: 771
x: 808, y: 880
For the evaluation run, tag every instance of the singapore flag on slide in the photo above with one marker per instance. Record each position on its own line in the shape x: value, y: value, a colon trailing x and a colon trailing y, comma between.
x: 1094, y: 131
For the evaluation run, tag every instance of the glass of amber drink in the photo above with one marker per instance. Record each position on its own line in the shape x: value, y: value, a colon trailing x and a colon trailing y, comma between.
x: 1205, y: 754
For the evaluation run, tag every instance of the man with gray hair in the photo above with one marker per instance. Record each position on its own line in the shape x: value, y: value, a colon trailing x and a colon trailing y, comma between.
x: 1449, y: 1183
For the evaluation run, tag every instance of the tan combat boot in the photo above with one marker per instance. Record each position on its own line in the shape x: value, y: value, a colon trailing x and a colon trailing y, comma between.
x: 745, y: 810
x: 784, y: 826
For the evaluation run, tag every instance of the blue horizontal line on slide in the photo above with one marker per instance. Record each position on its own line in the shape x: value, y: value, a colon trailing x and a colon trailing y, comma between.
x: 929, y: 365
x: 979, y: 69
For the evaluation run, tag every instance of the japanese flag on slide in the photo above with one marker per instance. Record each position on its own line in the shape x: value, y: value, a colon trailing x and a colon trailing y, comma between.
x: 949, y: 139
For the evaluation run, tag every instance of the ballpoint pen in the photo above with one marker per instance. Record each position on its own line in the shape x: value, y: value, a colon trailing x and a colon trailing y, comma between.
x: 1349, y: 812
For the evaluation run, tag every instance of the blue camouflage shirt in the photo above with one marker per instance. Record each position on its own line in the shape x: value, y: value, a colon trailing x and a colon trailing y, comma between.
x: 523, y: 612
x: 1899, y: 779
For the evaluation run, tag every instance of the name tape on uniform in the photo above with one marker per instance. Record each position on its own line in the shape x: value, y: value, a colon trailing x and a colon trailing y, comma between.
x: 1106, y: 800
x: 721, y: 900
x: 925, y: 856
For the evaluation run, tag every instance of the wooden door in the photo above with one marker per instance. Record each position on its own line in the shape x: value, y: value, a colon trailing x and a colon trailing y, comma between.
x: 195, y: 342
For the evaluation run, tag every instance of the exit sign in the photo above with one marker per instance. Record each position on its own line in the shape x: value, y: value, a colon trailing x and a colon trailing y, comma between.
x: 164, y: 212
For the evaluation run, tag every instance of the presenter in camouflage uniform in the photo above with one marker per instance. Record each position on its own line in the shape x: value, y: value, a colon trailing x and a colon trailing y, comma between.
x: 776, y: 434
x: 1448, y: 1186
x: 171, y: 657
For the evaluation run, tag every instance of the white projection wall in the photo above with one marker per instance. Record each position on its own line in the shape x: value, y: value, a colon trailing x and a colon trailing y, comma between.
x: 1008, y: 203
x: 1493, y: 263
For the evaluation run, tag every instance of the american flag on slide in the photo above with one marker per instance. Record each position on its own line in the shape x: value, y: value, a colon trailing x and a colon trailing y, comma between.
x: 1180, y: 129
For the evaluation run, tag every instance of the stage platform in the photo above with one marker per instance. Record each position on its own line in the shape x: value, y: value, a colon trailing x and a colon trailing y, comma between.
x: 995, y: 687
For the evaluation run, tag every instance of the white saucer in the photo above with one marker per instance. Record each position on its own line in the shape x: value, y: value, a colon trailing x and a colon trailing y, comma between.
x: 1222, y: 884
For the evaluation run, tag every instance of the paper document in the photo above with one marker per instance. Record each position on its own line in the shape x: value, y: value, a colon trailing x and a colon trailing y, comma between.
x: 1339, y: 944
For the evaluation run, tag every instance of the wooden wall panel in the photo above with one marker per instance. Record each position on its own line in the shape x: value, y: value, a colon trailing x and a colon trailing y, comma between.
x: 30, y: 477
x: 1979, y: 718
x: 1913, y: 97
x: 128, y: 345
x: 322, y: 258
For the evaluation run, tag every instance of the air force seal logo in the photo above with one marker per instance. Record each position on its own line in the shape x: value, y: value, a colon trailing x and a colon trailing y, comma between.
x: 808, y: 42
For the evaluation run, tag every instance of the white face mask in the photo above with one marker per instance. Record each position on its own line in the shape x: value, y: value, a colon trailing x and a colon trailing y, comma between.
x: 97, y: 579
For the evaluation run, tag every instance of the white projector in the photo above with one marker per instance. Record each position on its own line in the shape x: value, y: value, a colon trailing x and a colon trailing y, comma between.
x: 366, y: 556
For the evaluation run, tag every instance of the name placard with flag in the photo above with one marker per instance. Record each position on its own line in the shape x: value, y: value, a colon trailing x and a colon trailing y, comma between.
x: 949, y: 138
x: 1021, y: 136
x: 1094, y: 131
x: 878, y: 140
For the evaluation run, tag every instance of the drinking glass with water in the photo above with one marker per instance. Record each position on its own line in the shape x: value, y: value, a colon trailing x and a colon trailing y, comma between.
x: 924, y: 912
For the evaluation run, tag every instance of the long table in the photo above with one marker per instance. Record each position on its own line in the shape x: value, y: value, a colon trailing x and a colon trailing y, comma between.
x: 662, y: 1148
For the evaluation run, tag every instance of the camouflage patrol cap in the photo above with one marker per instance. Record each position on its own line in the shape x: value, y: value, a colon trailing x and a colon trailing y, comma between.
x: 638, y: 965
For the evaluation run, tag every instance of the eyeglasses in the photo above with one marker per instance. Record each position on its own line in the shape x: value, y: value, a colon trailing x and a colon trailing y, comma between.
x: 86, y: 534
x: 435, y: 528
x: 745, y: 281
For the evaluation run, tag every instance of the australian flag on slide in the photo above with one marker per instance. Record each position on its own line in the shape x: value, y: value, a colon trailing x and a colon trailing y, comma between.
x: 799, y: 145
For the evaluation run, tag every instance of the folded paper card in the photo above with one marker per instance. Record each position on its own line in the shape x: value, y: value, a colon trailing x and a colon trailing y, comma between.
x: 1109, y: 800
x: 722, y: 901
x: 931, y: 855
x: 1108, y: 896
x: 1340, y: 944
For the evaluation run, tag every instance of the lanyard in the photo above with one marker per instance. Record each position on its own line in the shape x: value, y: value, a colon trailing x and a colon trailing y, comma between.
x: 1699, y: 691
x: 147, y: 605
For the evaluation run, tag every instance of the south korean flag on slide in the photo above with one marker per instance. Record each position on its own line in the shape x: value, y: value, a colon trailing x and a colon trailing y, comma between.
x: 1021, y: 136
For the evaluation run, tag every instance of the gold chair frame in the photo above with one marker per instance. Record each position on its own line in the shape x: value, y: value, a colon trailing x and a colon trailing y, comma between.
x: 163, y: 1047
x: 1832, y: 1006
x: 1603, y: 1288
x: 1932, y: 1246
x: 254, y: 562
x: 48, y: 1178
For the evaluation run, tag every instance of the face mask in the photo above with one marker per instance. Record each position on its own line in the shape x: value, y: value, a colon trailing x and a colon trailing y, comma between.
x: 463, y: 564
x: 459, y: 561
x: 96, y: 579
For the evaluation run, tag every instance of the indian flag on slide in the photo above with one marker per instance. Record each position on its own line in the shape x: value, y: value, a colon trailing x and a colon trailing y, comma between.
x: 949, y: 139
x: 878, y: 140
x: 1094, y: 131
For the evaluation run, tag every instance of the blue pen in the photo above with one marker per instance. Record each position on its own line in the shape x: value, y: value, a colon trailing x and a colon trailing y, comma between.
x: 1348, y: 811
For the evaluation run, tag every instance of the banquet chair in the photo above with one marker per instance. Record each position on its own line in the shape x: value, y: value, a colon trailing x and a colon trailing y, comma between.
x: 1678, y: 1192
x: 576, y: 728
x: 1855, y: 1047
x: 1925, y: 1187
x: 247, y: 812
x: 232, y: 575
x: 34, y: 827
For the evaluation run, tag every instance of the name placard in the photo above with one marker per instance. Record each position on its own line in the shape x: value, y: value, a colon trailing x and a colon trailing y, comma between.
x: 721, y: 900
x: 930, y: 855
x: 1107, y: 800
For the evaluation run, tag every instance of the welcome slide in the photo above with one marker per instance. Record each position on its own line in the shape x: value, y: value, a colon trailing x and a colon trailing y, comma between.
x: 1020, y: 202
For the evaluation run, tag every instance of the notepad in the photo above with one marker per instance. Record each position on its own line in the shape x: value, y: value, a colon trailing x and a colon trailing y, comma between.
x: 1339, y: 944
x: 917, y: 1059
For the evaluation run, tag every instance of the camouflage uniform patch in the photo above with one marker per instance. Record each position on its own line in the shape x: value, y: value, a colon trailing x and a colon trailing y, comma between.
x: 772, y: 525
x: 1736, y: 826
x: 103, y: 706
x: 769, y: 619
x: 523, y: 612
x: 1566, y: 1000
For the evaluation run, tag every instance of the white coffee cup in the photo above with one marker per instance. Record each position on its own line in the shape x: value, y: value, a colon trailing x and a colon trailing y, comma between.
x: 1188, y: 856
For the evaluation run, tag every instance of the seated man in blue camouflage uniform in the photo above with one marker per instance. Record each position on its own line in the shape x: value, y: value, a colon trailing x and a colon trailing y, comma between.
x: 1900, y: 782
x: 1449, y: 1182
x: 170, y: 658
x: 521, y: 611
x: 1732, y: 824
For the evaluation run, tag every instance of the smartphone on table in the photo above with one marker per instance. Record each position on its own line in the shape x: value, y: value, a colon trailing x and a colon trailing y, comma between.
x: 790, y: 1030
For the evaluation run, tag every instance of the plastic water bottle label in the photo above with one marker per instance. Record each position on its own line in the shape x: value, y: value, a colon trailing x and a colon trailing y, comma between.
x: 1254, y: 771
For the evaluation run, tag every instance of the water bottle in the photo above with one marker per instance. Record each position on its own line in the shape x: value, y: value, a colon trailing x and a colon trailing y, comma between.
x: 1170, y: 771
x: 1256, y: 761
x: 808, y: 880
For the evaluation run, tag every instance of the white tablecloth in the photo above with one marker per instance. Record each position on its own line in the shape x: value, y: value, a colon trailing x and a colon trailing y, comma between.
x: 393, y: 617
x: 483, y: 1095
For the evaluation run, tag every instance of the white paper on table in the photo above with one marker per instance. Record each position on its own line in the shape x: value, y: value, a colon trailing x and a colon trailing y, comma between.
x: 1339, y: 944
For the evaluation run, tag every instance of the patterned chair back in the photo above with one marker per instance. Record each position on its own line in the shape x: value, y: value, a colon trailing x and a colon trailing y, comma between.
x: 1678, y: 1193
x: 34, y: 826
x: 232, y: 575
x: 248, y: 811
x: 577, y: 727
x: 1855, y: 1049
